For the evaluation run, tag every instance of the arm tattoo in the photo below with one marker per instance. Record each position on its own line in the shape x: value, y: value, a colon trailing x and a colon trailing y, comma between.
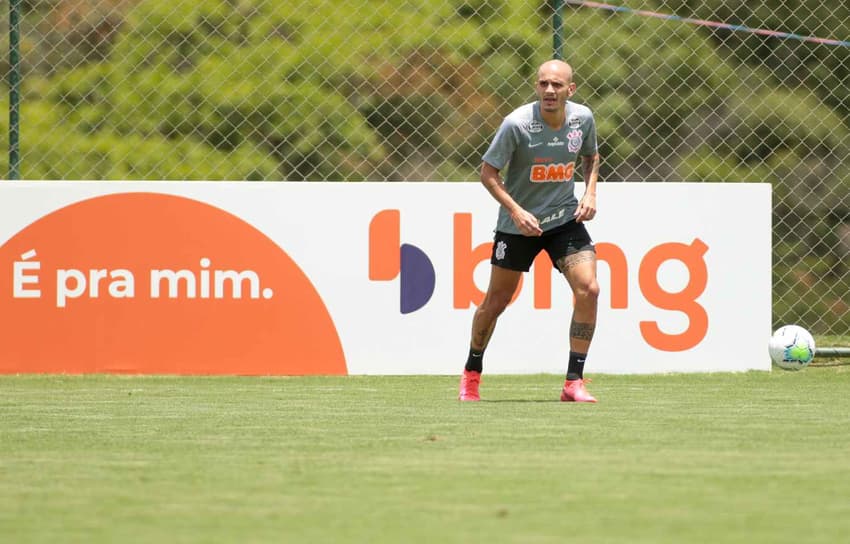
x: 582, y: 331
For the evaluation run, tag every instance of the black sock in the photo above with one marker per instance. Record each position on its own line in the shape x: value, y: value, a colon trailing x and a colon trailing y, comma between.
x: 575, y: 369
x: 475, y: 360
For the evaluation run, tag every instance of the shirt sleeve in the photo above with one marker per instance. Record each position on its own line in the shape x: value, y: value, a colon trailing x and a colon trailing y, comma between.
x: 503, y: 145
x: 589, y: 146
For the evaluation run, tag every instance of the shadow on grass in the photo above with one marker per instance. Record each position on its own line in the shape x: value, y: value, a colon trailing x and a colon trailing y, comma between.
x: 521, y: 400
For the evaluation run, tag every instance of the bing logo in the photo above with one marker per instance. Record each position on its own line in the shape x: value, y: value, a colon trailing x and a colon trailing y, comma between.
x: 389, y: 259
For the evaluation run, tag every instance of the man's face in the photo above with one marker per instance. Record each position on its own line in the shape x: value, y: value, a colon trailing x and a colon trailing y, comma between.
x: 554, y: 87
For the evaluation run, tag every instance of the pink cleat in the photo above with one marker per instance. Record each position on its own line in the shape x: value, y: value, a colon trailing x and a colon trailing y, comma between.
x: 469, y: 386
x: 574, y: 391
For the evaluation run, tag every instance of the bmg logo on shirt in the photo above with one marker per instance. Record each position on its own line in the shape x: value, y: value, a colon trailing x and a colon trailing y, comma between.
x: 551, y: 173
x: 389, y: 258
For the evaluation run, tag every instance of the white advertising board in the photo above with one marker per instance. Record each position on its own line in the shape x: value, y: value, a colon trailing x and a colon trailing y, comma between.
x: 366, y: 278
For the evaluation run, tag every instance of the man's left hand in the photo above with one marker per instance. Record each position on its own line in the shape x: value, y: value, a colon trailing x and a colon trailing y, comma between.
x: 586, y: 208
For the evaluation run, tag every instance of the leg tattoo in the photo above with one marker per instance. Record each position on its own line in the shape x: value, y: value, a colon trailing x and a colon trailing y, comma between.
x: 582, y: 331
x: 481, y: 337
x: 569, y: 261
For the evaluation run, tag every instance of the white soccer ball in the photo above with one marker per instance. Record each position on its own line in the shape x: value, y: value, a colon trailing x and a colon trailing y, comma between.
x: 791, y: 347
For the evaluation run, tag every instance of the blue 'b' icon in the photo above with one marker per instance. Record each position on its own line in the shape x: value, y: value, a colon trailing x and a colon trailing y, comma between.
x: 389, y: 258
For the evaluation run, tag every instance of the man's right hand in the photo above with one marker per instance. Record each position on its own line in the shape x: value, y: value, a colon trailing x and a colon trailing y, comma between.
x: 527, y: 224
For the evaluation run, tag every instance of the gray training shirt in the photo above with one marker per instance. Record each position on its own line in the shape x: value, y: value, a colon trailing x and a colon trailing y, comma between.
x: 541, y: 162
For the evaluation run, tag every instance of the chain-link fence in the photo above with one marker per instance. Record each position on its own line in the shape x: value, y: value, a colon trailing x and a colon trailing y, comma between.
x: 413, y: 90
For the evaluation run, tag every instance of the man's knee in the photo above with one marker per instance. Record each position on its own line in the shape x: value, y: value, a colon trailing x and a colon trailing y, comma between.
x: 497, y: 301
x: 588, y: 291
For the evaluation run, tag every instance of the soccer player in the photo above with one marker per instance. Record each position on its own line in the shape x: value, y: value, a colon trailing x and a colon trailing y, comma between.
x: 539, y: 143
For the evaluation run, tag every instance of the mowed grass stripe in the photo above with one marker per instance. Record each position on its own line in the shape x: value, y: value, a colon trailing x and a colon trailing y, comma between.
x: 754, y: 457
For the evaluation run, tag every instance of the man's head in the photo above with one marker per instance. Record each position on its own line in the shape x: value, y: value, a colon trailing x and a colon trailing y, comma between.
x: 554, y: 85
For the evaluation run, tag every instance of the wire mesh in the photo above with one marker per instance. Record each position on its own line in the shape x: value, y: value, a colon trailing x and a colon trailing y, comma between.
x: 398, y: 90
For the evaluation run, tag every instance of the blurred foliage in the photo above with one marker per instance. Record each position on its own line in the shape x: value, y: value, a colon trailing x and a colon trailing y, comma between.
x: 106, y: 156
x: 822, y: 68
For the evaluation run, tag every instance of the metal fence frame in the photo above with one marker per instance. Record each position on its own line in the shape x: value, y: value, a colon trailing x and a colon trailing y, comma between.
x: 794, y: 276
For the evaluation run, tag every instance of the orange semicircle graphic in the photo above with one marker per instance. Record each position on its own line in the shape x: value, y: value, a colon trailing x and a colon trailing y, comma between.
x: 150, y: 283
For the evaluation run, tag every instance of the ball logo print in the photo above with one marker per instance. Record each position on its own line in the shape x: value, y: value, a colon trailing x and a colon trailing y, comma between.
x: 389, y: 259
x: 159, y: 284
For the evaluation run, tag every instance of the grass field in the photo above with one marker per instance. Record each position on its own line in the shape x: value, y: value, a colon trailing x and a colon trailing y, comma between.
x: 750, y: 457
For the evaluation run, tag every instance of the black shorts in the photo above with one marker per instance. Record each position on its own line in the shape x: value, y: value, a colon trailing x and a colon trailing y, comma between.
x: 517, y: 252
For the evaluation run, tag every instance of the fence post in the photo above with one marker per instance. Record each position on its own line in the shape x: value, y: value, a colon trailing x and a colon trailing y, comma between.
x: 14, y: 88
x: 558, y: 29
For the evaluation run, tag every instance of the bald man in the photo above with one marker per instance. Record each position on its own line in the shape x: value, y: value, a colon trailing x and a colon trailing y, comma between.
x: 541, y: 142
